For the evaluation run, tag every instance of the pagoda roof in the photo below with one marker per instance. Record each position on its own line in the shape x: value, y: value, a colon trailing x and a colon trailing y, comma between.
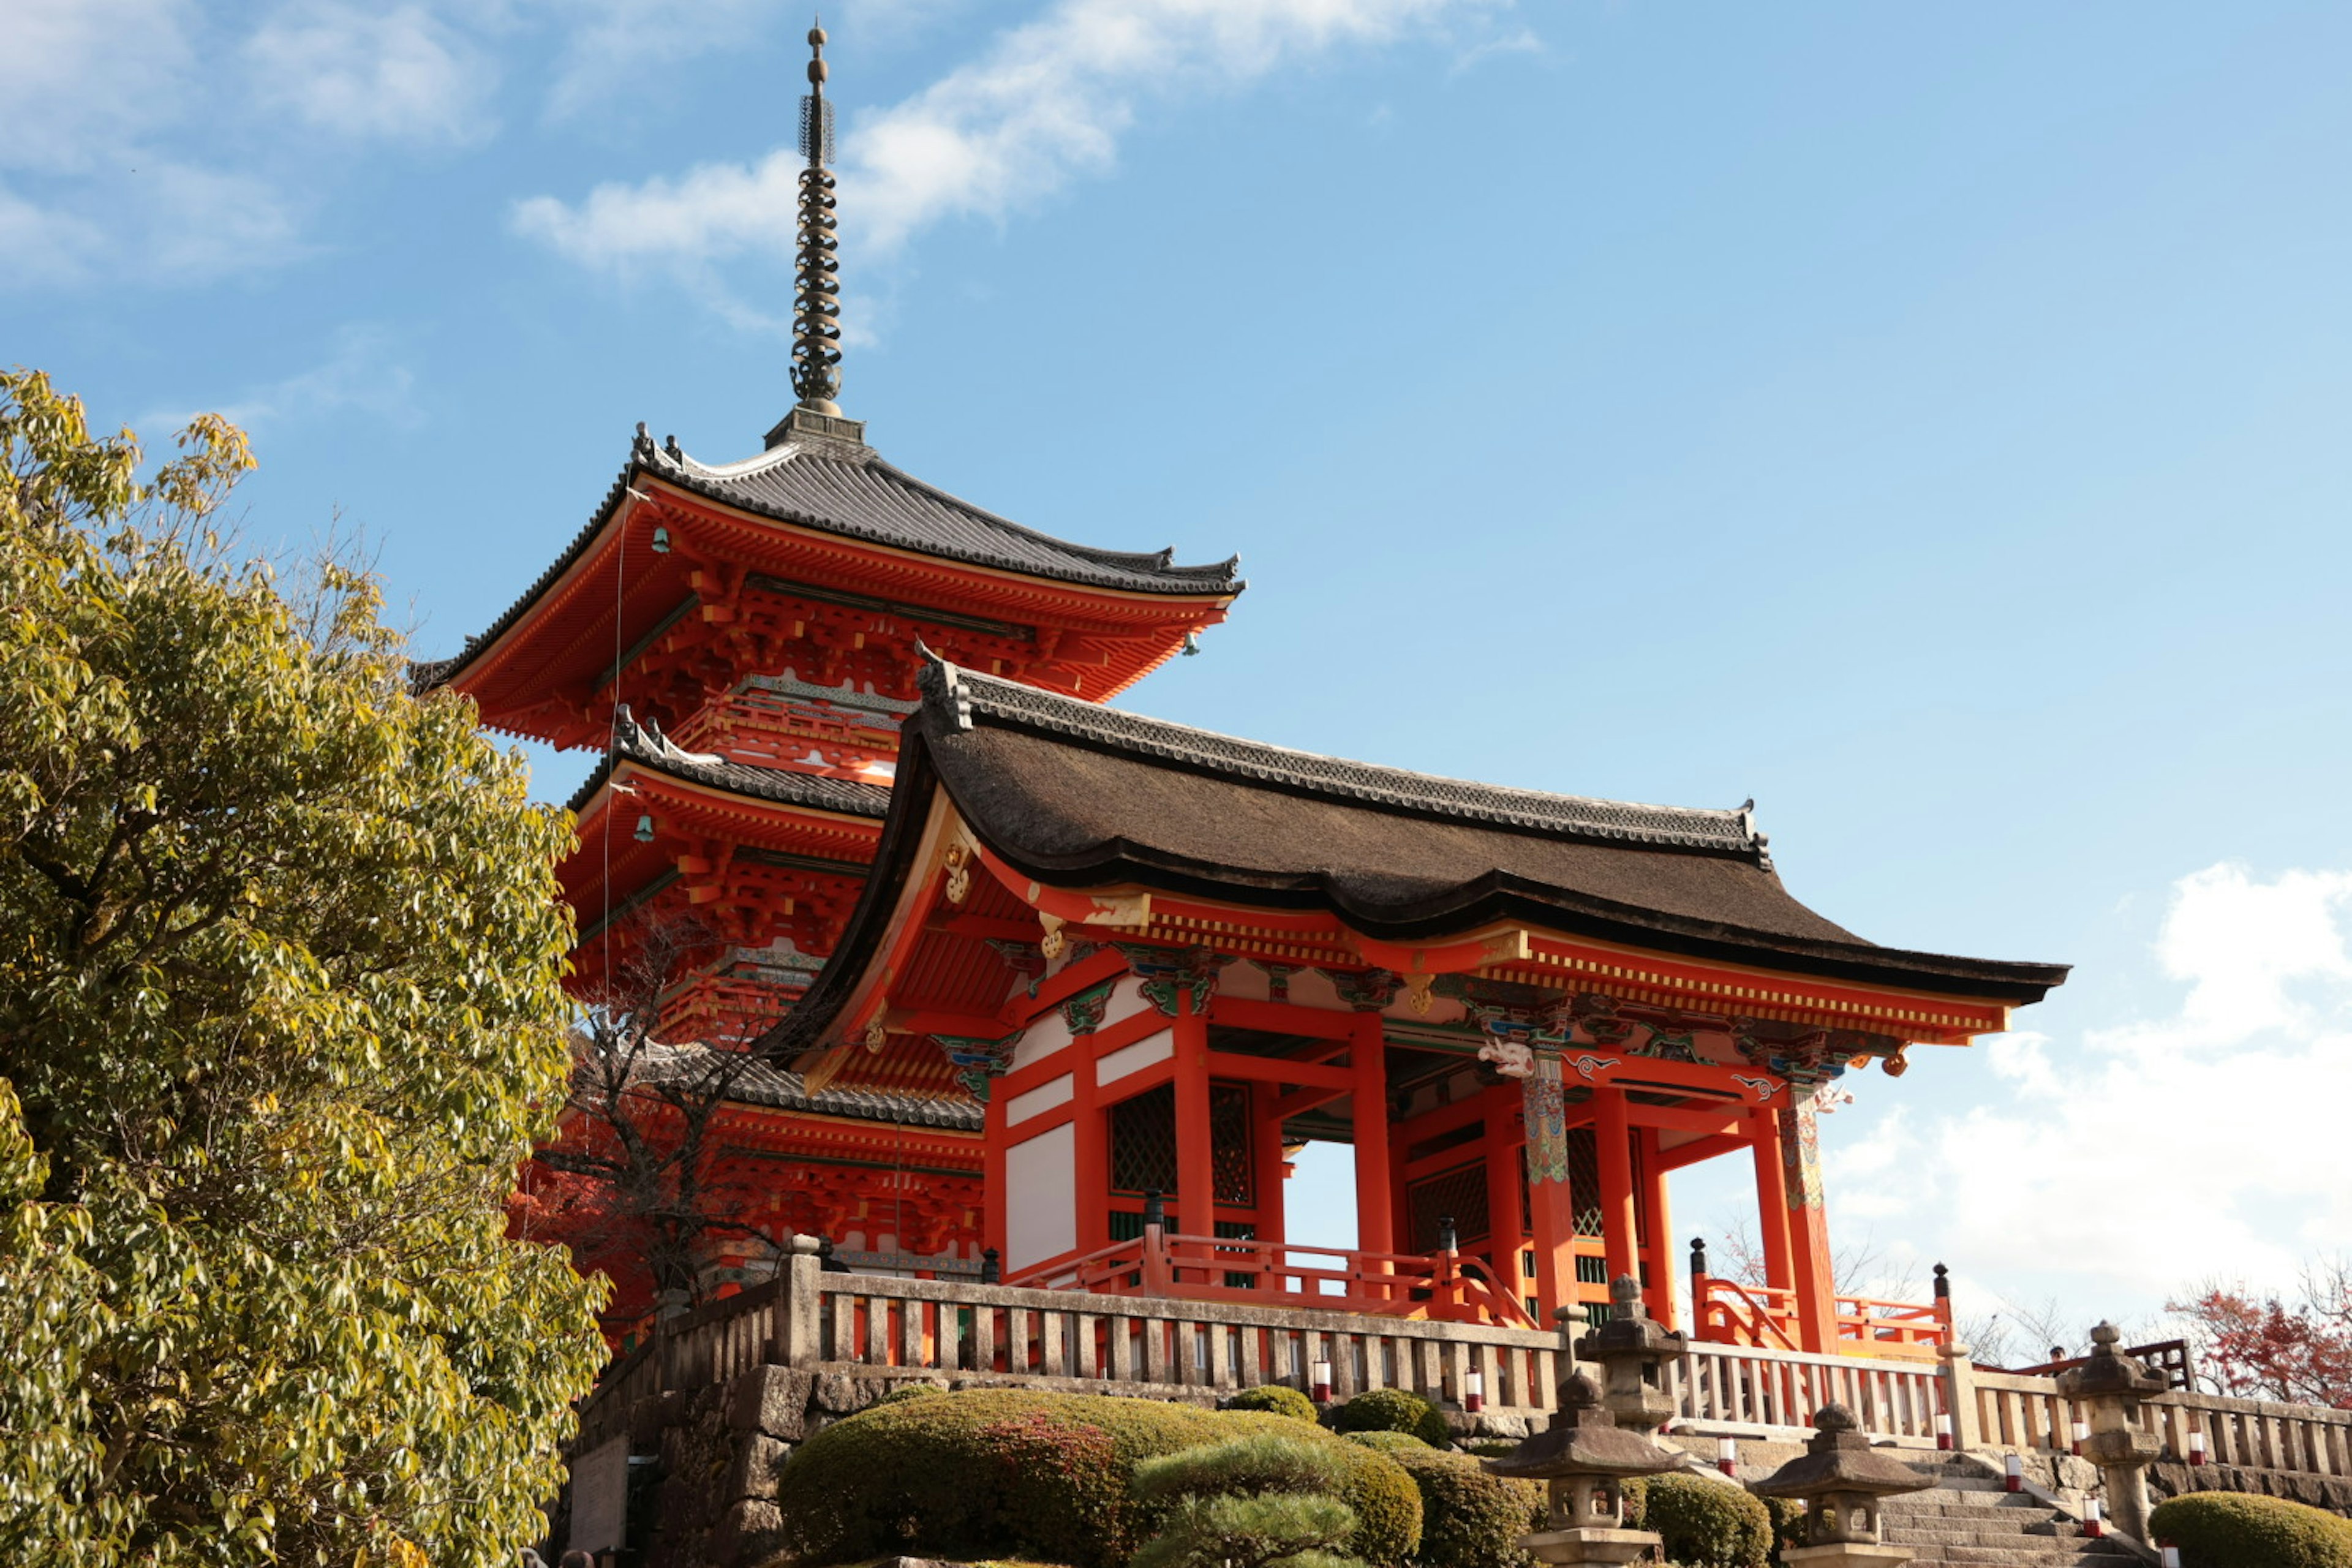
x: 758, y: 1083
x: 1076, y: 795
x: 846, y: 488
x: 649, y: 748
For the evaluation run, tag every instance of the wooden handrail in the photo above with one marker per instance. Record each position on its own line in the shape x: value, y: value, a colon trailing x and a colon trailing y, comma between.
x: 1441, y: 1285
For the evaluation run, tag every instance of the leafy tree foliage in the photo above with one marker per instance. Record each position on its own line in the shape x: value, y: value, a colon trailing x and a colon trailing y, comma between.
x: 279, y: 1014
x: 1265, y: 1500
x: 2264, y: 1347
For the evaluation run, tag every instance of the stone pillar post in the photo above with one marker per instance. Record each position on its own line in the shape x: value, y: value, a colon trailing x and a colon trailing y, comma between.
x: 2113, y: 1386
x: 1961, y: 1394
x: 797, y: 1339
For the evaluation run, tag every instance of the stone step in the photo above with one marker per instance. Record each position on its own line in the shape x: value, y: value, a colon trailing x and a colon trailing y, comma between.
x: 1971, y: 1520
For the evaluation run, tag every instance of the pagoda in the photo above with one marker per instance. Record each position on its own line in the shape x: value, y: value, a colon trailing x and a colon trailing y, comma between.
x: 742, y: 641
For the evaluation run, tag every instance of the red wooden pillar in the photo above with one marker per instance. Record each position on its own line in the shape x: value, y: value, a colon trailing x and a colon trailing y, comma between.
x: 1506, y: 1201
x: 1657, y: 1222
x: 1367, y: 1060
x: 1612, y: 1137
x: 1812, y: 1277
x: 1265, y: 1161
x: 1090, y: 1144
x: 1772, y: 1208
x: 992, y: 1230
x: 1196, y: 1203
x: 1551, y: 1203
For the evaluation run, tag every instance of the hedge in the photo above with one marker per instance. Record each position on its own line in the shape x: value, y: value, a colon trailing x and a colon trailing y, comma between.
x: 2236, y: 1529
x: 1387, y: 1442
x: 1393, y: 1410
x: 995, y: 1473
x: 1468, y: 1518
x: 1703, y: 1523
x: 1276, y: 1399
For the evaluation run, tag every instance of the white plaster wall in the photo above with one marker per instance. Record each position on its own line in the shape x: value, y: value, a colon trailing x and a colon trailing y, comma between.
x: 1045, y: 1037
x: 1134, y: 1058
x: 1125, y: 1001
x: 1041, y: 1197
x: 1043, y: 1098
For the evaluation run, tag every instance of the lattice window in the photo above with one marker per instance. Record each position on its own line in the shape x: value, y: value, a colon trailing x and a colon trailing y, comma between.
x: 1584, y: 1180
x: 1460, y: 1192
x: 1143, y: 1143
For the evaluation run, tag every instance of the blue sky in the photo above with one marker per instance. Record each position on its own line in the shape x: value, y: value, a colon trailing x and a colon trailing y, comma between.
x: 1930, y: 422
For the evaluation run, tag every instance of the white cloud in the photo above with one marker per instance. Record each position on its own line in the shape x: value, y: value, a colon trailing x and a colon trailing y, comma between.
x: 81, y: 80
x: 2157, y: 1153
x: 40, y: 244
x: 156, y: 221
x: 400, y: 74
x: 363, y: 372
x: 93, y: 88
x: 1519, y: 41
x: 1046, y: 102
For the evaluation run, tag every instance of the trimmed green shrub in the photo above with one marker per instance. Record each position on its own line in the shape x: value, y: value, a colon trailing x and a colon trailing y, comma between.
x: 2236, y: 1529
x: 1468, y: 1518
x: 1490, y: 1448
x: 909, y: 1391
x: 1263, y: 1499
x: 991, y: 1473
x: 1703, y: 1523
x: 1393, y: 1410
x: 1276, y: 1399
x: 1387, y: 1503
x: 1387, y: 1442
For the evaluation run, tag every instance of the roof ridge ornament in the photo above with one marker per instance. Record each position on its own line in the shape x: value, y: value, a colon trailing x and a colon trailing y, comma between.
x: 815, y: 422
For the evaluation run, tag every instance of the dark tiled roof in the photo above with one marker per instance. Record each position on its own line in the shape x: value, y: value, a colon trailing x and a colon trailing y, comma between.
x: 1336, y: 778
x: 648, y: 748
x: 1080, y: 796
x: 758, y: 1083
x: 867, y: 499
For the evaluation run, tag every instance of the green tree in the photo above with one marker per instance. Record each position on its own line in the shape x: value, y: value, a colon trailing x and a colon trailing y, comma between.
x: 1261, y: 1501
x: 279, y: 1015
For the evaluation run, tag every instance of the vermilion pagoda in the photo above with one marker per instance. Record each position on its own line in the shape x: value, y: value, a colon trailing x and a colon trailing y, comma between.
x: 1072, y: 965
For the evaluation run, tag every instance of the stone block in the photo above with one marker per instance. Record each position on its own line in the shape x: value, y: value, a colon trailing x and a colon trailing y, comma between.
x: 759, y: 1458
x: 746, y: 1533
x: 1501, y: 1425
x: 650, y: 1416
x: 770, y: 1399
x: 836, y: 1394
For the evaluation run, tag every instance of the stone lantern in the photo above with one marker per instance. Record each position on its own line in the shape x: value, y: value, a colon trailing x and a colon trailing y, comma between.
x: 2114, y: 1385
x: 1584, y: 1459
x: 1841, y: 1478
x: 1632, y: 1349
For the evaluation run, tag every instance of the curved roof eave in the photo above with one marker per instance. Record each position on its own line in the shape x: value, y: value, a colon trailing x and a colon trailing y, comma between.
x: 1121, y: 571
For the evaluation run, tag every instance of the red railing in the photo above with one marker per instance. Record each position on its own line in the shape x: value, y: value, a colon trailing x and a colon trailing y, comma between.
x: 1731, y: 1313
x: 1444, y: 1286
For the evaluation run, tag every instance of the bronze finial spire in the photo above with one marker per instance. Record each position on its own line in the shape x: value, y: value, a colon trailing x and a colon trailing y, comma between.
x: 816, y: 303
